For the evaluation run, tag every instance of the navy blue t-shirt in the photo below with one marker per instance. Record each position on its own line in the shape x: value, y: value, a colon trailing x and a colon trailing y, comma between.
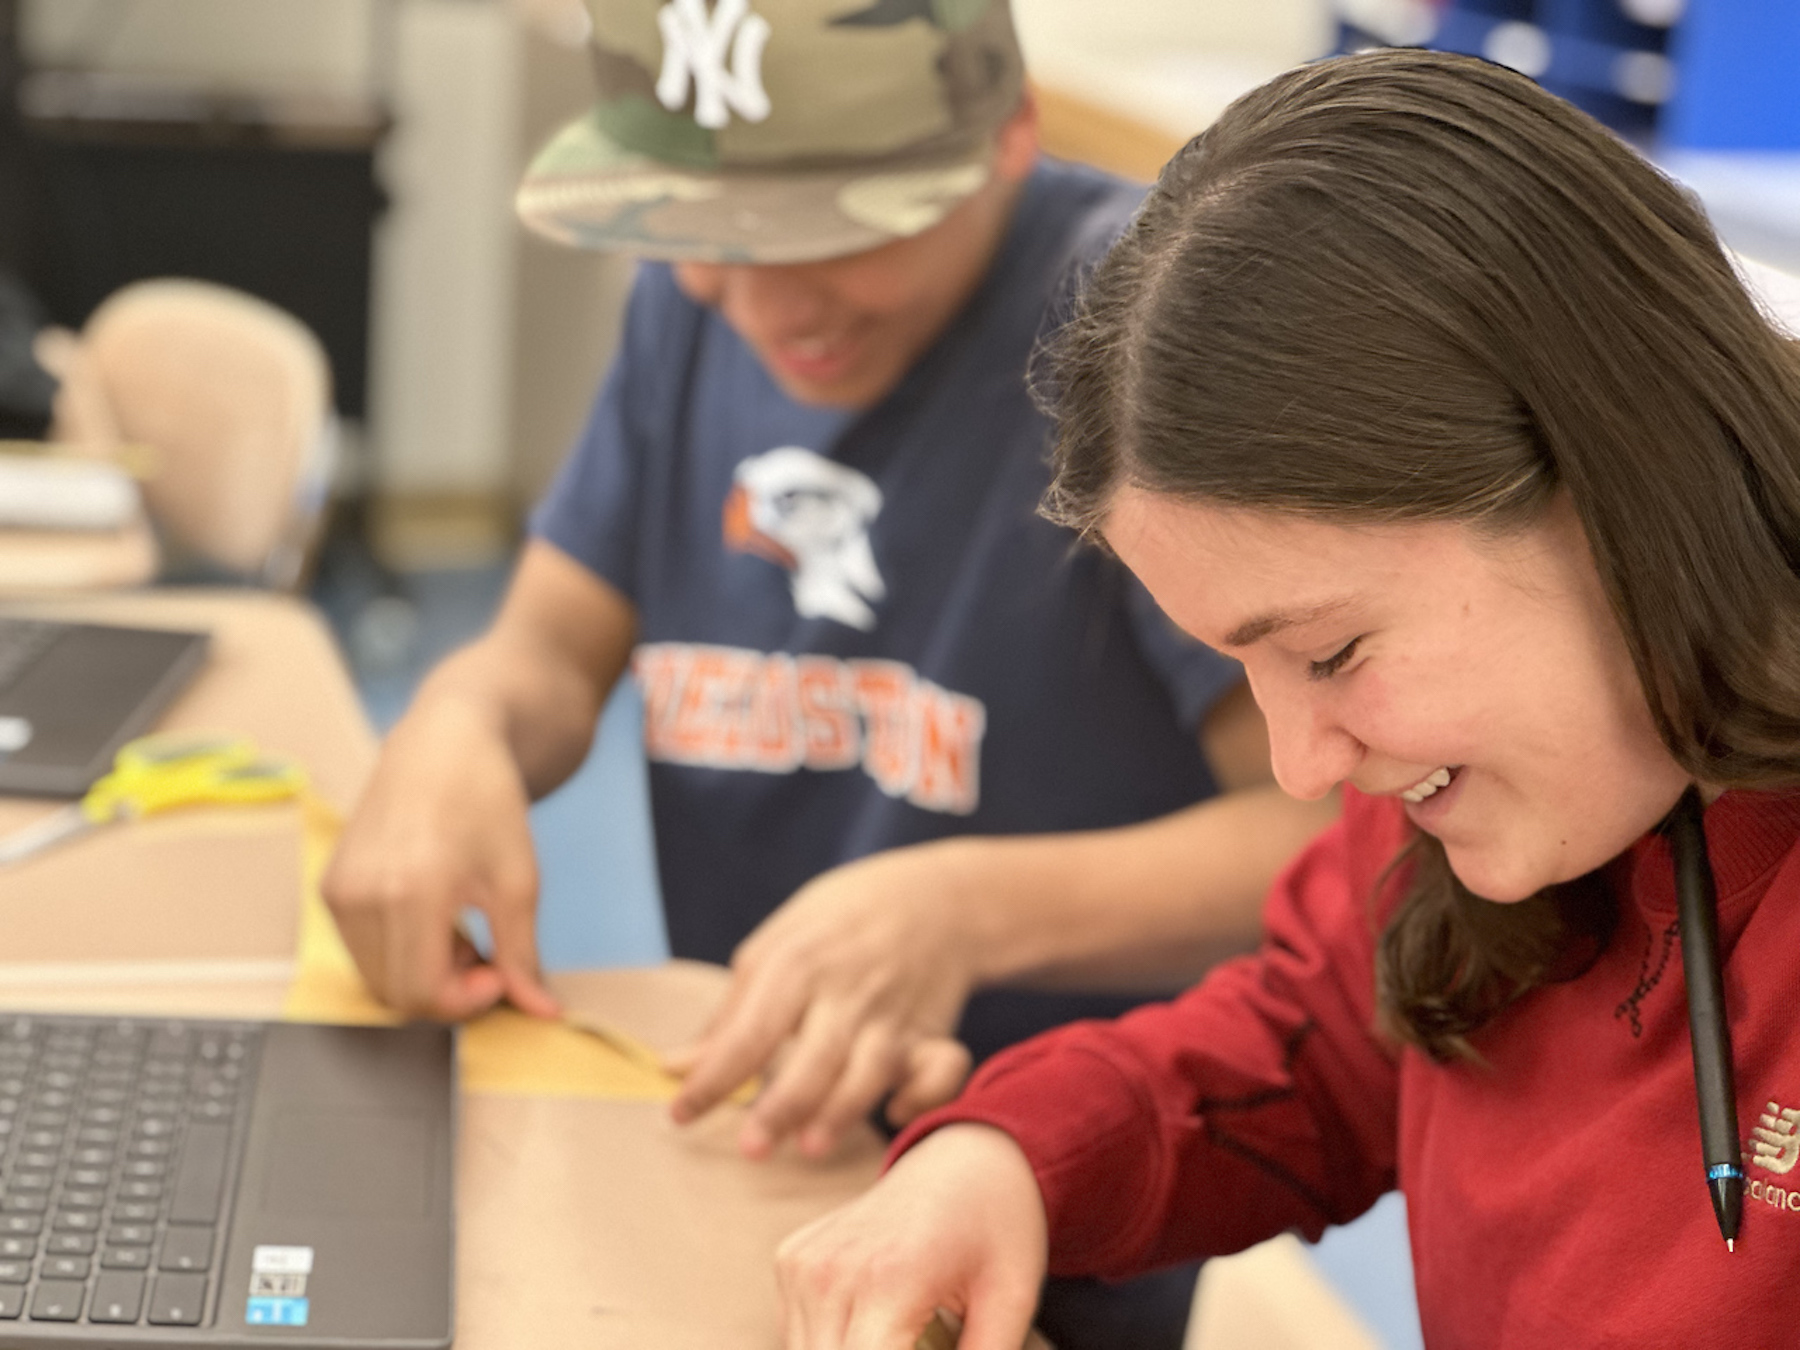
x: 854, y: 631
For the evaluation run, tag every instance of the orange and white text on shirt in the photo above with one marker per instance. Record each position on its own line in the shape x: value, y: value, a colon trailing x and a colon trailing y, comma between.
x: 732, y: 708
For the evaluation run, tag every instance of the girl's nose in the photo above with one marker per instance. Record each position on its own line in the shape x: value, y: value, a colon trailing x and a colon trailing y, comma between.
x: 1309, y: 750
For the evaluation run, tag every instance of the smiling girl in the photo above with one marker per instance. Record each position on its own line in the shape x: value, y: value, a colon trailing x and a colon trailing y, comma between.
x: 1443, y: 411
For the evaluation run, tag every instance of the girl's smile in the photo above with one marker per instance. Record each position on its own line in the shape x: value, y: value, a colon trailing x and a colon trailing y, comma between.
x: 1482, y: 681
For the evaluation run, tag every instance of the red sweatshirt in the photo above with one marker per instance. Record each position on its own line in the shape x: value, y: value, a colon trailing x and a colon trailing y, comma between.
x: 1556, y: 1195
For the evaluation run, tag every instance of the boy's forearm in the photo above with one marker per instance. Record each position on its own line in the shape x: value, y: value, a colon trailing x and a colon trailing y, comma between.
x: 1147, y: 906
x: 540, y: 675
x: 544, y: 713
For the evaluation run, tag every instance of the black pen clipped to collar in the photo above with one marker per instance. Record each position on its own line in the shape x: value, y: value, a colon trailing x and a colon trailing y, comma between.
x: 1697, y: 909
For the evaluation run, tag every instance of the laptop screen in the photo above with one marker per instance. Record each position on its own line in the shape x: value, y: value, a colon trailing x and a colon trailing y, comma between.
x: 72, y: 693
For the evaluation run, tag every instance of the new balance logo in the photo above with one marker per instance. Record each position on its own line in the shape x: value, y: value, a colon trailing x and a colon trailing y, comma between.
x: 1775, y: 1142
x: 696, y: 46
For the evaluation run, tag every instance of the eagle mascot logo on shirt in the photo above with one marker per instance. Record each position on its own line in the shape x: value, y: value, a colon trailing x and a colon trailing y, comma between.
x: 805, y: 513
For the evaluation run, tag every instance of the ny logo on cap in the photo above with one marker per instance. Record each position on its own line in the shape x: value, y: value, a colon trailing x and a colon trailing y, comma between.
x: 695, y: 46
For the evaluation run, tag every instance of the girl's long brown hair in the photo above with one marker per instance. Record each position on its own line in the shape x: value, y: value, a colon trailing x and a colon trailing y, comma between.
x: 1407, y: 286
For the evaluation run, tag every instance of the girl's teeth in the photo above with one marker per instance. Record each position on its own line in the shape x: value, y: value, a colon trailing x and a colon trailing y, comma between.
x: 1427, y: 786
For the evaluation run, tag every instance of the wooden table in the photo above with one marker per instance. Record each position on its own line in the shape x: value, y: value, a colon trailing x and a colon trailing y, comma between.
x: 76, y: 560
x: 581, y: 1222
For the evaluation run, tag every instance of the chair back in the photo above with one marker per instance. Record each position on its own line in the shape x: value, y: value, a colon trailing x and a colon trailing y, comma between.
x: 231, y: 396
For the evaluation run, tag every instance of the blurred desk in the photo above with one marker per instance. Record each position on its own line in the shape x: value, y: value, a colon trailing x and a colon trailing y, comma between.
x: 34, y: 561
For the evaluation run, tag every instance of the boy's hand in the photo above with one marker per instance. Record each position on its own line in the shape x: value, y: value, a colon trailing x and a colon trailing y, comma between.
x: 443, y: 827
x: 957, y: 1224
x: 862, y: 974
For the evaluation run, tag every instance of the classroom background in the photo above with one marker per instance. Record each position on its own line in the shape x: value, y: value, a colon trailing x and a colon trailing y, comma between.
x: 353, y: 162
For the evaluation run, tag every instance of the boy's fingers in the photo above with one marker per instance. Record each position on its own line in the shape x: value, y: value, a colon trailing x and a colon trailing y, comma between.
x: 516, y: 958
x: 464, y: 954
x: 416, y: 959
x: 935, y: 1072
x: 875, y: 1063
x: 529, y: 994
x: 680, y: 1062
x: 362, y: 937
x: 464, y: 993
x: 813, y: 1065
x: 735, y: 1049
x: 434, y: 980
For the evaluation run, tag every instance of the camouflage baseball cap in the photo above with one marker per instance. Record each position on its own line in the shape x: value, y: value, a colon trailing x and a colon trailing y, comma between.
x: 776, y: 130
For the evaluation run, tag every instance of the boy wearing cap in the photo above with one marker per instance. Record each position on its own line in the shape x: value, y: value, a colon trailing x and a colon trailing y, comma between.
x: 905, y: 742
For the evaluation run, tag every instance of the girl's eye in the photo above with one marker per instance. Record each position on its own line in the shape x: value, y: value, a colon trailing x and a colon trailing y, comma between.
x: 1331, y: 665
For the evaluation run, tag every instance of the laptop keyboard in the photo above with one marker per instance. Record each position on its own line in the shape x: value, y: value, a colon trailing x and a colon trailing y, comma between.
x: 115, y: 1138
x: 22, y: 641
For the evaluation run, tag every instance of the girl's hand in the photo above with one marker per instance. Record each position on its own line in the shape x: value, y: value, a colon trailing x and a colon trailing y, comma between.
x: 957, y: 1224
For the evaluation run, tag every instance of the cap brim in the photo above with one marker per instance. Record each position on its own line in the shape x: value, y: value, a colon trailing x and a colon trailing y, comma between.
x: 586, y: 190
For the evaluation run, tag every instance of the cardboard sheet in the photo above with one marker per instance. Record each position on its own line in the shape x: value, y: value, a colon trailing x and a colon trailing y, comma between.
x: 601, y: 1224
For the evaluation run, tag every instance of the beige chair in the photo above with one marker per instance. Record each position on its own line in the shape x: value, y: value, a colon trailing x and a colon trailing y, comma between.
x: 222, y: 402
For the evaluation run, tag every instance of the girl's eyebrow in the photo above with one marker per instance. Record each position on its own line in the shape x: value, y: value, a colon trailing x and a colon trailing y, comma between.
x: 1252, y: 631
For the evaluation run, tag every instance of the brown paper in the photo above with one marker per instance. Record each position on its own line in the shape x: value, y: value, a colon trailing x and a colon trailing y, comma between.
x: 601, y: 1224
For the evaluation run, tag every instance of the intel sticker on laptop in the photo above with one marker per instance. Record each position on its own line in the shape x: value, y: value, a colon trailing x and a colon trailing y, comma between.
x: 275, y: 1312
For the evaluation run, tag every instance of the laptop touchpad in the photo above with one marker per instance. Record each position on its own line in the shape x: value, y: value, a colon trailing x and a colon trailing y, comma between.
x: 352, y: 1164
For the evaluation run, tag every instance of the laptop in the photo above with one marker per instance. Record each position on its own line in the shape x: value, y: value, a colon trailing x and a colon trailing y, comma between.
x: 191, y: 1183
x: 72, y: 693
